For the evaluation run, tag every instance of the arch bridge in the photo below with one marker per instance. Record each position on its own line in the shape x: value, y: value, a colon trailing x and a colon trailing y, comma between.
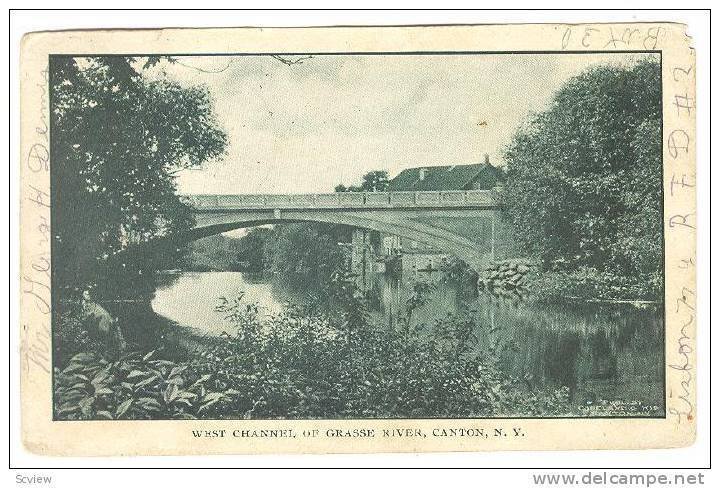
x: 461, y: 223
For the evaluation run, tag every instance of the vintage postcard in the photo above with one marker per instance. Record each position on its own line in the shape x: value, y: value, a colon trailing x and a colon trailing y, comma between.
x: 358, y: 239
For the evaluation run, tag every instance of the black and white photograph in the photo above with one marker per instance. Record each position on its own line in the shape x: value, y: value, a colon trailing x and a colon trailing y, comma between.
x: 344, y: 236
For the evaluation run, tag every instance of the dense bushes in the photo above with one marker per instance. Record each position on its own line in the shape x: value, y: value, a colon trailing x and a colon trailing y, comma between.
x: 306, y: 364
x: 585, y: 180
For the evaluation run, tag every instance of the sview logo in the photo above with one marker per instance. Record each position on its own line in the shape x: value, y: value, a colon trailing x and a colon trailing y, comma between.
x: 35, y: 479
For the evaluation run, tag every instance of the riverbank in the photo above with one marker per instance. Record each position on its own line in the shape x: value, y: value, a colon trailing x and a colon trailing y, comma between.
x: 524, y: 278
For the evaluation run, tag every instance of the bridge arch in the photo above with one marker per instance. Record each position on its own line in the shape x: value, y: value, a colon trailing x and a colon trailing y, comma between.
x: 477, y: 255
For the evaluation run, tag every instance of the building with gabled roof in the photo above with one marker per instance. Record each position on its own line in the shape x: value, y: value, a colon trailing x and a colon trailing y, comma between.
x: 478, y: 176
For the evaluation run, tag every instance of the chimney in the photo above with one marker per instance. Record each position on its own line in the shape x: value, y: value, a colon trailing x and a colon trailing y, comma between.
x: 486, y: 158
x: 423, y: 172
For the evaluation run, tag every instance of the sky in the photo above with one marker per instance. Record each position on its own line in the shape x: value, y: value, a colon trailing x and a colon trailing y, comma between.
x: 308, y: 126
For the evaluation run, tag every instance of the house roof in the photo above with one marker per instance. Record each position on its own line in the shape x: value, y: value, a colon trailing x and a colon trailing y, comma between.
x: 455, y: 177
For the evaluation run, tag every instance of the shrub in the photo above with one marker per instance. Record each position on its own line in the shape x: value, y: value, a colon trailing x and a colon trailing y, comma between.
x: 134, y: 387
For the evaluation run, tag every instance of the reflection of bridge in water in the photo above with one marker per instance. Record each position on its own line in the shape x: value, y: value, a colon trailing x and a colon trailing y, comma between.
x: 459, y: 222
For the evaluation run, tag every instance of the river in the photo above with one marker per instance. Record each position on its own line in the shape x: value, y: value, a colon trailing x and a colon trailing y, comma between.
x: 609, y: 356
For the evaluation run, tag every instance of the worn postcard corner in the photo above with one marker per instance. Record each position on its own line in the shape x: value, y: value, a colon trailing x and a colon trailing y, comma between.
x: 368, y: 239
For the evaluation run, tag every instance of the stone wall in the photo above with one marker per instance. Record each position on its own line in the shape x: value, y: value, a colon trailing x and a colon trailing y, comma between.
x: 508, y: 275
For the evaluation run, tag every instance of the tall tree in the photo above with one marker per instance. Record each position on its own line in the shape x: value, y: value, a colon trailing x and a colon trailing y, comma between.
x: 585, y: 176
x: 117, y: 138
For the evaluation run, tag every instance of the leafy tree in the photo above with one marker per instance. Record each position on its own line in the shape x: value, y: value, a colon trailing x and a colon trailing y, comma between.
x: 372, y: 181
x: 375, y: 181
x: 585, y: 179
x: 117, y: 139
x: 306, y: 248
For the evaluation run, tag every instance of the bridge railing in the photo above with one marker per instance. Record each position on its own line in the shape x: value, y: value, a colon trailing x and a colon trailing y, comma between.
x: 395, y: 199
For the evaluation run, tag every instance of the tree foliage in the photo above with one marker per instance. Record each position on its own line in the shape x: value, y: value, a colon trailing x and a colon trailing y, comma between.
x: 306, y: 248
x: 372, y: 181
x: 225, y: 253
x: 117, y: 139
x: 585, y: 178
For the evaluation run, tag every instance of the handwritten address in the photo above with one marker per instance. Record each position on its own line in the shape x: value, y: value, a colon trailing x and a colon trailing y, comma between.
x: 35, y: 348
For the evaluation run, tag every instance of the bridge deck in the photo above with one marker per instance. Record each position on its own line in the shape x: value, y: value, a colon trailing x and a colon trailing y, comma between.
x: 486, y: 199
